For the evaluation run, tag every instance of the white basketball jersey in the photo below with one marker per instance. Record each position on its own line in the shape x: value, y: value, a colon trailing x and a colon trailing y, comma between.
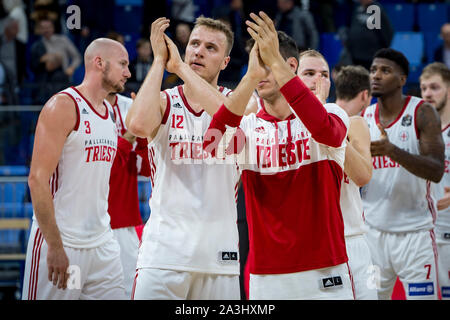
x: 80, y: 183
x: 395, y: 200
x: 121, y: 107
x: 352, y: 208
x: 443, y: 216
x: 193, y: 220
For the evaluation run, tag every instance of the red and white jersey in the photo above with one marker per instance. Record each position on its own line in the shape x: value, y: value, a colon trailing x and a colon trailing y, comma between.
x: 121, y: 107
x: 80, y: 184
x: 352, y: 208
x: 395, y: 200
x: 193, y: 220
x: 443, y: 216
x: 292, y: 188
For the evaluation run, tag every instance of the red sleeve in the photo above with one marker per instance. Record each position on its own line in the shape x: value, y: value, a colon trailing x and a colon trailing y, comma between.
x: 124, y: 149
x: 142, y: 151
x: 325, y: 128
x: 217, y: 128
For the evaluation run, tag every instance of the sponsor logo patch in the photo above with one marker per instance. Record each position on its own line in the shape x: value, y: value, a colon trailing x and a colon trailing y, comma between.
x: 421, y: 289
x: 445, y: 292
x: 330, y: 282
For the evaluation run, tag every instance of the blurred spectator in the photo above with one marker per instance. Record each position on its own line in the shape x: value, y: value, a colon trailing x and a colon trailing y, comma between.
x: 54, y: 59
x: 47, y: 9
x: 116, y: 36
x: 139, y: 67
x: 12, y: 58
x: 362, y: 42
x: 322, y: 12
x: 16, y: 11
x: 297, y: 23
x: 93, y: 25
x: 183, y: 10
x: 182, y: 33
x: 442, y: 54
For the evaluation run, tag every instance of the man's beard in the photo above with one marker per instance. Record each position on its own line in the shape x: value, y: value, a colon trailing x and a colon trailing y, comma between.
x: 108, y: 84
x: 441, y: 104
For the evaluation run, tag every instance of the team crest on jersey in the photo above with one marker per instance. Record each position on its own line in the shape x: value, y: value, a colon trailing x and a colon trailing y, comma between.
x: 404, y: 136
x: 262, y: 130
x: 407, y: 120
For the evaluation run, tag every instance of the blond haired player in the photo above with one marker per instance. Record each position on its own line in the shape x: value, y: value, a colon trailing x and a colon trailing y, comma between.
x: 74, y: 148
x: 189, y: 245
x: 435, y: 88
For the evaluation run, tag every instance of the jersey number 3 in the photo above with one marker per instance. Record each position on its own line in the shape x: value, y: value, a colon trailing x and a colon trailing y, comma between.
x: 88, y: 127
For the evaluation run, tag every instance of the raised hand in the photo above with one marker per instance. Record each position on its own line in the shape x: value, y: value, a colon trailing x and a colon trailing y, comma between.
x: 383, y: 146
x: 256, y: 68
x: 175, y: 61
x: 157, y: 40
x: 262, y: 30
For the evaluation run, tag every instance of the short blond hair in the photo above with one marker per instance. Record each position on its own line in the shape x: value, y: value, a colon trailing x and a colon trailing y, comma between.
x: 311, y: 53
x: 436, y: 68
x: 218, y: 26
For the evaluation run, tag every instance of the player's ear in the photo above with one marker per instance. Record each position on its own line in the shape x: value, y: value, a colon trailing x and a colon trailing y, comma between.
x: 293, y: 63
x: 225, y: 62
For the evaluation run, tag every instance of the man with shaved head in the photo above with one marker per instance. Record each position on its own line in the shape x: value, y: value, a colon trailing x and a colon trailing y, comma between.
x: 71, y: 252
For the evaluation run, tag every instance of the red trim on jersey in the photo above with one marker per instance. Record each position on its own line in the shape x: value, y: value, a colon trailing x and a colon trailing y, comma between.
x: 118, y: 114
x: 435, y: 253
x: 446, y: 127
x: 134, y: 285
x: 34, y: 272
x: 90, y: 105
x: 167, y: 111
x: 186, y: 103
x: 377, y: 113
x: 415, y: 118
x: 351, y: 280
x: 77, y: 124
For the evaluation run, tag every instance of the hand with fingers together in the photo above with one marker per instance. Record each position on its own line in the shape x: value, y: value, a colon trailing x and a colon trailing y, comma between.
x: 256, y: 68
x: 157, y: 40
x: 321, y: 90
x: 444, y: 203
x: 381, y: 147
x: 263, y: 31
x: 174, y: 61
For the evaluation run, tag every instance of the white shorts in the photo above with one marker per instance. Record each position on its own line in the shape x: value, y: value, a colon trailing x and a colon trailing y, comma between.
x: 129, y: 245
x: 161, y: 284
x: 95, y: 274
x: 443, y: 247
x: 411, y: 256
x: 333, y: 283
x: 361, y: 267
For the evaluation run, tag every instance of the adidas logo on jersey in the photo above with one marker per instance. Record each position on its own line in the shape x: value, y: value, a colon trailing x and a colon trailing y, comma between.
x: 84, y: 111
x: 228, y: 256
x: 329, y: 282
x: 177, y: 105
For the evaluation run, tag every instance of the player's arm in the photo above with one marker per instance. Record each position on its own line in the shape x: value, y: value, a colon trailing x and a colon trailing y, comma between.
x: 231, y: 112
x: 429, y: 164
x: 147, y: 109
x: 358, y: 160
x: 326, y: 128
x: 56, y: 120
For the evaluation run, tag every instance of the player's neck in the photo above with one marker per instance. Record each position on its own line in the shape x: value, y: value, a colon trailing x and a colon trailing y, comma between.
x: 278, y: 108
x: 445, y: 115
x: 346, y: 105
x: 94, y: 93
x: 391, y: 105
